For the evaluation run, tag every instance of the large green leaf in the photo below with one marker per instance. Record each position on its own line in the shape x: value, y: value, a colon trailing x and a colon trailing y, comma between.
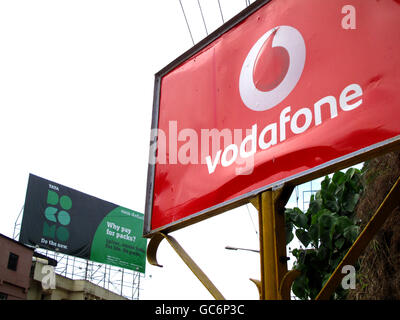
x: 322, y: 253
x: 303, y: 236
x: 332, y: 205
x: 339, y: 243
x: 327, y: 220
x: 301, y: 220
x: 300, y: 287
x: 332, y: 188
x: 342, y: 223
x: 292, y: 213
x: 350, y: 201
x: 315, y: 218
x: 314, y: 234
x: 289, y: 236
x: 339, y: 178
x: 314, y: 207
x: 325, y: 183
x: 351, y: 232
x: 351, y: 172
x: 326, y: 229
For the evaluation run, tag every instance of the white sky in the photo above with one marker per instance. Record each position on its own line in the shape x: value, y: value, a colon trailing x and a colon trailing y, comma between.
x: 76, y: 91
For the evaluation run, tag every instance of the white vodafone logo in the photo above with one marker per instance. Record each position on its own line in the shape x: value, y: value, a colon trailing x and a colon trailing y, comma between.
x: 291, y: 40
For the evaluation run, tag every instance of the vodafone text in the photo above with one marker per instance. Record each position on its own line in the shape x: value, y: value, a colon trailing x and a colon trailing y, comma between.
x: 229, y: 155
x: 237, y: 149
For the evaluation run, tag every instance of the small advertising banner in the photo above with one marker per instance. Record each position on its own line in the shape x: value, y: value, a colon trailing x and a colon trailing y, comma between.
x: 62, y: 219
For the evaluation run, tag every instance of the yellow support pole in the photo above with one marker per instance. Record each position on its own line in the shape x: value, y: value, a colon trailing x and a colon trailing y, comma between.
x: 273, y: 260
x: 269, y: 289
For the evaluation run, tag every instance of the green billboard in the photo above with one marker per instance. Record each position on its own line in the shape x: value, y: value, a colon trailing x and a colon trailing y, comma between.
x: 62, y: 219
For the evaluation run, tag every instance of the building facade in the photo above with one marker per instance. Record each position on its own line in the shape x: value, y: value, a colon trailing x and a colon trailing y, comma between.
x: 47, y: 285
x: 15, y: 269
x: 29, y: 275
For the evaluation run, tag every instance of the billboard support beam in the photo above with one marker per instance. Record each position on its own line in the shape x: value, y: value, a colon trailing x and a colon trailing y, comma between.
x: 275, y: 281
x: 273, y: 261
x: 390, y: 203
x: 152, y: 259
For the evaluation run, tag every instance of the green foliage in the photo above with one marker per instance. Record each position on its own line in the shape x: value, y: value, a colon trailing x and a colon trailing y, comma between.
x: 327, y: 230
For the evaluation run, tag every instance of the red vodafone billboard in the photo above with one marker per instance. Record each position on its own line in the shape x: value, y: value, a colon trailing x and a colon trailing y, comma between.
x: 283, y: 92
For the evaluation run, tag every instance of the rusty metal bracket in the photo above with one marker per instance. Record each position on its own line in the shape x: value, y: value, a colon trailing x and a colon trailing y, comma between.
x: 258, y: 285
x: 391, y: 202
x: 152, y: 248
x: 286, y: 283
x: 152, y: 259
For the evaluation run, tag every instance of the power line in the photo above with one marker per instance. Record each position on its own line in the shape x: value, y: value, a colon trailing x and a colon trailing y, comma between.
x: 220, y: 11
x: 202, y: 16
x: 254, y: 226
x: 187, y: 24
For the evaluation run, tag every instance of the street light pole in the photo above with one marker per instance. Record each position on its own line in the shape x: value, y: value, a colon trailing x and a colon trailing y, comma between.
x: 243, y: 249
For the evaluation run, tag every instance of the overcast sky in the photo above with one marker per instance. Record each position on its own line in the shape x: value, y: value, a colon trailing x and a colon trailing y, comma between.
x: 76, y: 90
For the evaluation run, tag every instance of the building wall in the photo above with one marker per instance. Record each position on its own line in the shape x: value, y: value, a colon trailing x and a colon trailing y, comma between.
x: 25, y: 282
x: 14, y: 284
x: 67, y: 289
